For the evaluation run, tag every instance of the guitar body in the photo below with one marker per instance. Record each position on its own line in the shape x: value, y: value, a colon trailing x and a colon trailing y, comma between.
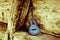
x: 33, y: 29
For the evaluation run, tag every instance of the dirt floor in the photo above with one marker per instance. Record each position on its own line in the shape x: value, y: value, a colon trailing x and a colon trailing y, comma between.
x: 26, y: 36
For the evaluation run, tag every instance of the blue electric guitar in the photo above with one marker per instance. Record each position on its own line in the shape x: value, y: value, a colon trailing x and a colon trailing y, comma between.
x: 33, y: 29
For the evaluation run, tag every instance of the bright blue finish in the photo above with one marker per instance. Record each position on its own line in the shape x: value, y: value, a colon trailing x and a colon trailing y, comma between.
x: 33, y: 29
